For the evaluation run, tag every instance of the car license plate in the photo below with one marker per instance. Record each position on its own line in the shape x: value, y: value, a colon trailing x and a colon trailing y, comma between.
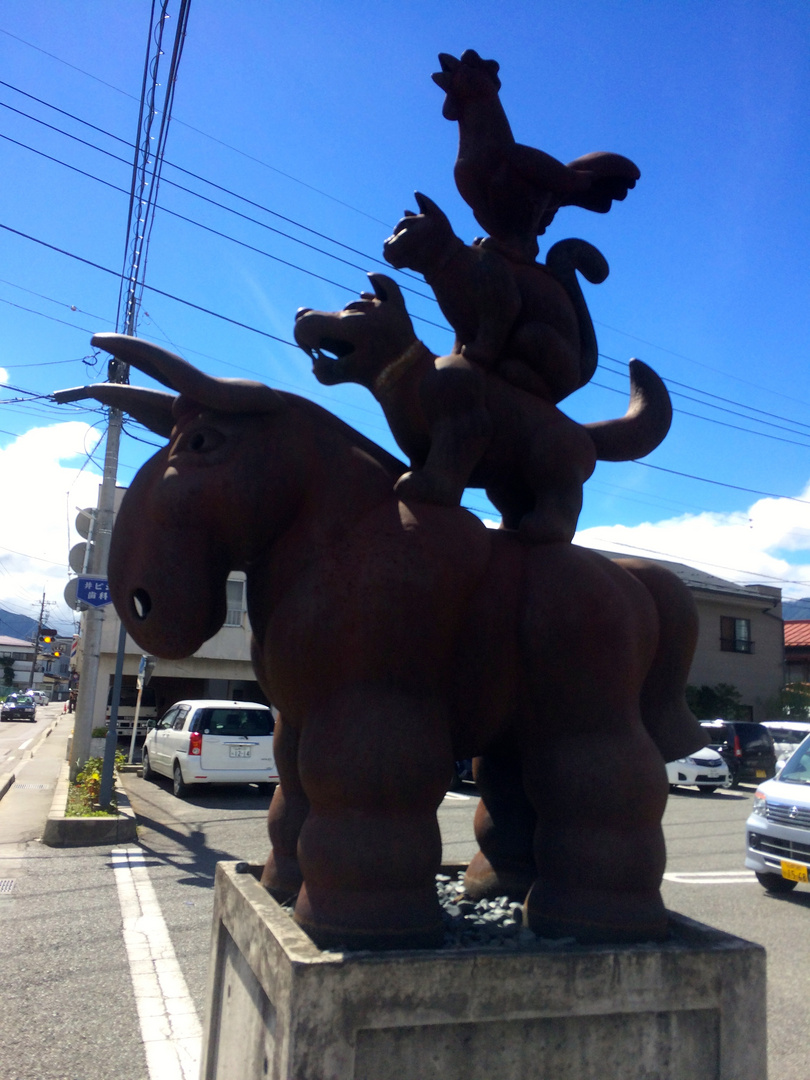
x: 761, y: 774
x: 794, y: 871
x: 239, y: 751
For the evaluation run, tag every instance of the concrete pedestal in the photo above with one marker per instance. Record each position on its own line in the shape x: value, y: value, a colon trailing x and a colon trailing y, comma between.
x: 692, y: 1008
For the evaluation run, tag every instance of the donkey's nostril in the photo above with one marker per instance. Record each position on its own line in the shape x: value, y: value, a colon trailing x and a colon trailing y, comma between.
x: 141, y: 603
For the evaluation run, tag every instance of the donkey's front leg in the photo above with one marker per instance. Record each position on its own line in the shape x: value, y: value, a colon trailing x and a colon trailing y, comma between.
x: 375, y: 768
x: 288, y: 811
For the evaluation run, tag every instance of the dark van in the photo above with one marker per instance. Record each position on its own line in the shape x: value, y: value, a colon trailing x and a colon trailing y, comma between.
x: 746, y: 748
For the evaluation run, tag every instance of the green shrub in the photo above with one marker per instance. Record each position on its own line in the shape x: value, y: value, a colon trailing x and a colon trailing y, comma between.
x: 84, y: 791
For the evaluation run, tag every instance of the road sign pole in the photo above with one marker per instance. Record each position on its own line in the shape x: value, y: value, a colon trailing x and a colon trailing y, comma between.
x: 108, y: 766
x: 94, y: 617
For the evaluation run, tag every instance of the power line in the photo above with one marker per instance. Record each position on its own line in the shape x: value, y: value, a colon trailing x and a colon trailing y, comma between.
x: 205, y: 135
x: 330, y: 255
x: 323, y: 235
x: 705, y: 562
x: 214, y: 202
x: 151, y: 288
x: 181, y: 169
x: 720, y: 483
x: 717, y: 397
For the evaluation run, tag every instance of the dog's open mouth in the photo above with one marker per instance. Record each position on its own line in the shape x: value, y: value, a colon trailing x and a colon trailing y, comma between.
x: 326, y: 357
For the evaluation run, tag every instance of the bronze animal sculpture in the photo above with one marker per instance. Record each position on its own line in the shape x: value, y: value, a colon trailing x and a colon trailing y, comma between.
x: 513, y: 190
x: 527, y: 320
x: 531, y: 458
x: 394, y: 638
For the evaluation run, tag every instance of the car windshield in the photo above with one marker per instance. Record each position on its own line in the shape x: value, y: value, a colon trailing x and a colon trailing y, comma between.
x: 797, y: 767
x: 234, y: 722
x: 25, y: 701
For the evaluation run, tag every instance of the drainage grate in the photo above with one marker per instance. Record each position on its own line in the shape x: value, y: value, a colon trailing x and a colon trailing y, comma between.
x: 6, y: 885
x: 32, y: 787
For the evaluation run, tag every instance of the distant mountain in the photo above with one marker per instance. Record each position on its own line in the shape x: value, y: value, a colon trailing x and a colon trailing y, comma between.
x: 796, y: 609
x: 20, y: 626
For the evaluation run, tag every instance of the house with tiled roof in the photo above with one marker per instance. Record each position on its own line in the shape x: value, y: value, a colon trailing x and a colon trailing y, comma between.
x: 797, y: 650
x: 741, y: 639
x: 20, y: 656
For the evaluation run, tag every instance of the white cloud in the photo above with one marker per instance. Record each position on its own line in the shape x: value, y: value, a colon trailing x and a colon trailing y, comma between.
x: 3, y: 376
x: 745, y: 546
x: 39, y: 496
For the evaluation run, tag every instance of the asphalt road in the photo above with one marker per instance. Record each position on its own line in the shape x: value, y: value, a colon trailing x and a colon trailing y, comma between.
x: 706, y: 880
x: 69, y: 1012
x: 17, y: 736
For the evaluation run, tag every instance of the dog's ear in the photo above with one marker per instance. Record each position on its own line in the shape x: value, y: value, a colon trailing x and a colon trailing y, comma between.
x: 386, y: 289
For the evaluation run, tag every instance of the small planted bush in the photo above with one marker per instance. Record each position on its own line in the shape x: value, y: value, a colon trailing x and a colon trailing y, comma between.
x: 84, y: 791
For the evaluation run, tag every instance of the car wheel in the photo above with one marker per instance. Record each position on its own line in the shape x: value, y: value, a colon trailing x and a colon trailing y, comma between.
x: 707, y: 789
x: 146, y: 769
x: 179, y: 787
x: 773, y: 883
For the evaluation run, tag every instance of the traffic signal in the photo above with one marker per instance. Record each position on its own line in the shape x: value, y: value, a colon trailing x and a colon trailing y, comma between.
x: 47, y: 637
x: 56, y: 652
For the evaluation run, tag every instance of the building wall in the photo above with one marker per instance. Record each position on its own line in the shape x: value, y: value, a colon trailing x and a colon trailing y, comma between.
x: 759, y: 675
x: 23, y: 653
x: 220, y: 668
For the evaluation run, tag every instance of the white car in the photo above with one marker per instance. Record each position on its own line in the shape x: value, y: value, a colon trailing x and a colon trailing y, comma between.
x: 778, y: 829
x: 786, y: 735
x: 704, y: 769
x: 211, y: 742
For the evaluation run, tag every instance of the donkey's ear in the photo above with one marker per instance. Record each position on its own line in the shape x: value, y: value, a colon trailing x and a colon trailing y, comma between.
x: 225, y: 395
x: 152, y: 408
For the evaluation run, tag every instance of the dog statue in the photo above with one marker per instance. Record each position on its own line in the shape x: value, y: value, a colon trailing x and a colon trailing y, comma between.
x: 465, y: 427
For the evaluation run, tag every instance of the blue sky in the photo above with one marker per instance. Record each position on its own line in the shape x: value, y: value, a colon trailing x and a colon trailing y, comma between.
x: 325, y: 116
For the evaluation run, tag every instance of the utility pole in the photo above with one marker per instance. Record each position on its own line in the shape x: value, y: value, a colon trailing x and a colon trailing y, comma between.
x: 146, y: 172
x: 36, y: 641
x: 94, y: 617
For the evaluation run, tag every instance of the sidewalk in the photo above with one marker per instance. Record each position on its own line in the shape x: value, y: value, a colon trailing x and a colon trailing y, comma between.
x: 69, y: 1010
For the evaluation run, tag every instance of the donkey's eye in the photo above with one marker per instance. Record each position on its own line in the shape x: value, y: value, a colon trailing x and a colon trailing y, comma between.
x: 202, y: 441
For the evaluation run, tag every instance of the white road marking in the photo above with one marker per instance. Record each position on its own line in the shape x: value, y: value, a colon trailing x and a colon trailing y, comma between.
x: 458, y: 796
x: 23, y: 745
x: 170, y: 1028
x: 713, y: 877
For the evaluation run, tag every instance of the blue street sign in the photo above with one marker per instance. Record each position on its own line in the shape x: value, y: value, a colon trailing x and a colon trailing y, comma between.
x: 94, y: 591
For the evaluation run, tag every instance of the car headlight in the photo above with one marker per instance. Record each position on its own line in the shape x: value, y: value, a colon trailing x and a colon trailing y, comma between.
x: 760, y: 804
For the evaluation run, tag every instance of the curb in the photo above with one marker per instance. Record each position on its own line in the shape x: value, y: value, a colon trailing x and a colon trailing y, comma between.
x: 62, y: 831
x: 43, y: 735
x: 7, y: 779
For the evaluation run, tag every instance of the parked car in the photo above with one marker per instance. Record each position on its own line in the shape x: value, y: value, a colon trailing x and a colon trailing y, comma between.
x: 746, y: 748
x: 786, y: 735
x: 778, y: 829
x: 19, y: 707
x: 705, y: 770
x: 39, y: 697
x: 211, y: 742
x: 126, y: 710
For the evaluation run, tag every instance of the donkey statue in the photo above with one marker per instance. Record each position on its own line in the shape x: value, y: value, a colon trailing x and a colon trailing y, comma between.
x: 395, y: 637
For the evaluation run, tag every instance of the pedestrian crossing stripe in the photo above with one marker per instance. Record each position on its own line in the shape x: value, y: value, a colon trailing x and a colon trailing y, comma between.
x: 712, y: 877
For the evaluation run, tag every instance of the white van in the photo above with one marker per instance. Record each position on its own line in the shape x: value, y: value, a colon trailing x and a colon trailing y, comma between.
x: 212, y: 742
